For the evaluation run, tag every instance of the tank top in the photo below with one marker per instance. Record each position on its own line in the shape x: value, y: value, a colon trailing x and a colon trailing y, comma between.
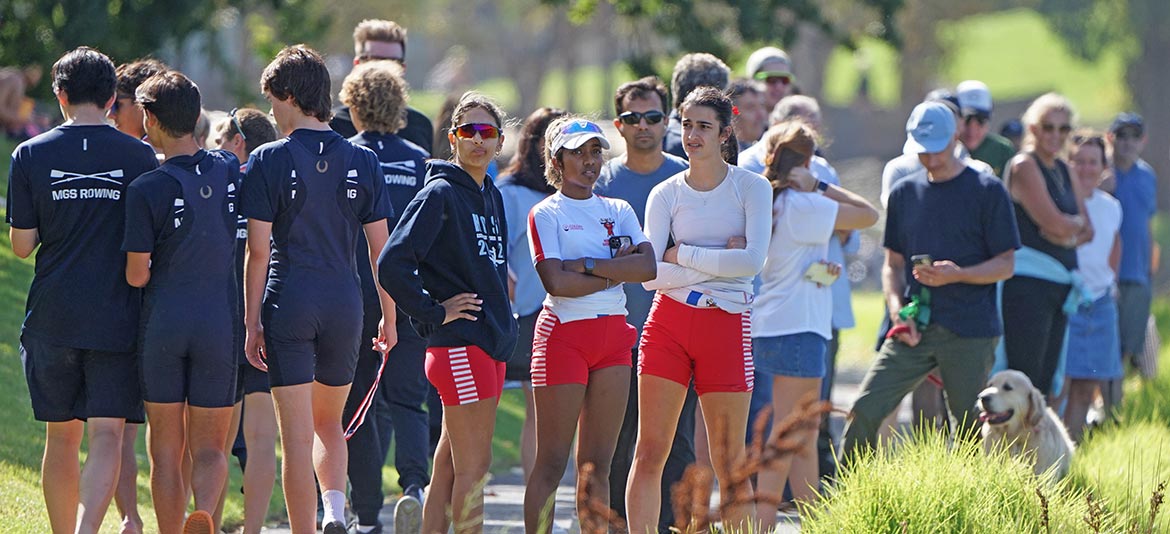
x: 1060, y: 189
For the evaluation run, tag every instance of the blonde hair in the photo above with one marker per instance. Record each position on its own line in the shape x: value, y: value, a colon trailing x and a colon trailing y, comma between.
x: 1040, y: 107
x: 376, y: 95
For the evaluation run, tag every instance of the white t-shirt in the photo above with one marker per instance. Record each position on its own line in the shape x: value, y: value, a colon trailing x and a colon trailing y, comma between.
x: 563, y: 228
x: 787, y: 303
x: 1093, y: 257
x: 701, y: 222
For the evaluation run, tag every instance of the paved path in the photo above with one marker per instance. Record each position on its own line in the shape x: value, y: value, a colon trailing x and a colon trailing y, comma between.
x: 504, y: 495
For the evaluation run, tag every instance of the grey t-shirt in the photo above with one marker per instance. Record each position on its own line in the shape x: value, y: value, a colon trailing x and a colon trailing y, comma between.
x: 618, y: 181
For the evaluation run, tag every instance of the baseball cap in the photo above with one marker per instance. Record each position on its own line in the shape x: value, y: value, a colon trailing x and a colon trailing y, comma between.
x: 768, y: 61
x: 1128, y: 119
x: 930, y: 129
x: 974, y: 98
x: 944, y: 96
x: 577, y: 133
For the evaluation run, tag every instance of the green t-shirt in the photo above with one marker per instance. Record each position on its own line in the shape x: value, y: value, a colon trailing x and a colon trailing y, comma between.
x: 996, y: 151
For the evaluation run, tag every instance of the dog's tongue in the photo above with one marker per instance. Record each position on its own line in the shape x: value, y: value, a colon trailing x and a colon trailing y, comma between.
x: 984, y: 416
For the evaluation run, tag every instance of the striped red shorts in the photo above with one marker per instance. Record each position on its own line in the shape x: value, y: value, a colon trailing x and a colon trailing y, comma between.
x: 712, y: 346
x: 565, y: 353
x: 464, y: 375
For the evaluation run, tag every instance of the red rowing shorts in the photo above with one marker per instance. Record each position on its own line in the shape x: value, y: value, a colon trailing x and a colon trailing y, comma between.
x: 712, y: 346
x: 464, y: 375
x: 565, y: 353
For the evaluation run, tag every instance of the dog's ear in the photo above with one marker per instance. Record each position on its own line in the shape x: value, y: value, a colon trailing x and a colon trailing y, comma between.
x: 1036, y: 406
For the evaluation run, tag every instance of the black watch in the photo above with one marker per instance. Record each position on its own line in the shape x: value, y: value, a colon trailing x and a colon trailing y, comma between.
x: 822, y: 186
x: 588, y: 265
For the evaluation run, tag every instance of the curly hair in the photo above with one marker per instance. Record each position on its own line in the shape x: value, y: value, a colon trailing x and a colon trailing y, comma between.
x: 376, y: 95
x: 527, y: 166
x: 789, y: 145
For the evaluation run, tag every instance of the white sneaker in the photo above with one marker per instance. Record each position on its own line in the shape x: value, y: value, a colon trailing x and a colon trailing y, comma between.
x: 408, y: 512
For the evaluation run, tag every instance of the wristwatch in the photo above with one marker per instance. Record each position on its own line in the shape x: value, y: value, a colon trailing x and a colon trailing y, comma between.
x: 822, y: 186
x: 588, y: 265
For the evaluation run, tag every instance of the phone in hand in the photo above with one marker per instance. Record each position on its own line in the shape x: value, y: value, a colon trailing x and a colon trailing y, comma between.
x: 922, y: 260
x: 818, y: 273
x: 618, y: 242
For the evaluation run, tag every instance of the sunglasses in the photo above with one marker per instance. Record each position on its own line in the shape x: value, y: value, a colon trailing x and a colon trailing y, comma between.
x: 369, y: 57
x: 468, y: 131
x: 236, y: 123
x: 581, y: 126
x: 1124, y: 135
x: 981, y: 119
x: 633, y: 117
x: 1048, y: 127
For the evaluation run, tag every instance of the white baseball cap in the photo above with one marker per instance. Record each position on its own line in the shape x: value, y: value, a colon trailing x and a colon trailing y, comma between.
x: 974, y: 98
x: 768, y: 61
x: 576, y: 133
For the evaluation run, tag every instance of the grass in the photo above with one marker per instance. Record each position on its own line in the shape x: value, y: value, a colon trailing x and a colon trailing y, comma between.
x: 929, y: 486
x: 1123, y: 467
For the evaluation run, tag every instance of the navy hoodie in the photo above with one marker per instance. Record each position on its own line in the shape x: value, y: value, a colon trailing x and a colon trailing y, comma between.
x: 451, y: 240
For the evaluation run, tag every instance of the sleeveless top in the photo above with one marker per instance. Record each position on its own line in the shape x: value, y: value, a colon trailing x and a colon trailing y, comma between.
x: 206, y: 234
x: 1060, y: 189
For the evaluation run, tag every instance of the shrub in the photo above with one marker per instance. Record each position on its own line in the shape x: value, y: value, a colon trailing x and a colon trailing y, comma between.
x: 928, y: 485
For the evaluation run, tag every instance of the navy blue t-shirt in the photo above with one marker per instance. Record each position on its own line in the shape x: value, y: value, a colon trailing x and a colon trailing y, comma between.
x: 403, y: 166
x: 69, y: 184
x: 968, y: 220
x: 316, y: 248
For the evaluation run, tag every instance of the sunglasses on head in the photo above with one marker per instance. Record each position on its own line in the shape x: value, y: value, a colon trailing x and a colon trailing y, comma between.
x: 236, y: 123
x: 1048, y: 127
x: 581, y: 126
x: 468, y: 131
x: 633, y: 117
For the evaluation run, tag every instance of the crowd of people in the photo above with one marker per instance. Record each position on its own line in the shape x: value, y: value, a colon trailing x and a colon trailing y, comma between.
x: 339, y: 279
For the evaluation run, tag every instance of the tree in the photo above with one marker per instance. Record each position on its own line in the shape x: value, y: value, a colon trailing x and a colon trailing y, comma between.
x: 1139, y: 29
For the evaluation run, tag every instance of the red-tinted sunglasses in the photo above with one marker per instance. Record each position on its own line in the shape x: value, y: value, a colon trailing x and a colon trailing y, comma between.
x: 468, y: 131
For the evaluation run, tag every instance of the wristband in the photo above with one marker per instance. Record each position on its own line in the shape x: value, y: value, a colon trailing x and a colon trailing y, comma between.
x: 822, y: 186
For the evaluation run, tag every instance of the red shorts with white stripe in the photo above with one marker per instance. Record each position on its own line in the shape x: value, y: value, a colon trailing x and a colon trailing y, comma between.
x: 712, y: 346
x: 565, y: 353
x: 464, y: 375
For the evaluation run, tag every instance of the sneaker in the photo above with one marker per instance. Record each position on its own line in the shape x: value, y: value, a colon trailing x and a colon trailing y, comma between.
x: 333, y: 527
x: 199, y: 522
x: 408, y: 512
x: 353, y: 529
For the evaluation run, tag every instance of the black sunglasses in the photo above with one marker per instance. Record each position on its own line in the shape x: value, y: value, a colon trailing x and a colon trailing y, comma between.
x: 981, y: 119
x: 633, y: 117
x: 236, y: 123
x: 468, y: 131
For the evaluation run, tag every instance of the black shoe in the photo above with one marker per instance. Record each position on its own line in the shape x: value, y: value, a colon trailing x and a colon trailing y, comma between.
x: 334, y: 527
x: 353, y: 529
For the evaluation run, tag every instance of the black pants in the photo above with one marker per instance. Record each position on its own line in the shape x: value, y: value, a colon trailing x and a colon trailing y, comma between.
x: 1034, y: 327
x: 397, y: 413
x: 826, y: 459
x: 682, y: 453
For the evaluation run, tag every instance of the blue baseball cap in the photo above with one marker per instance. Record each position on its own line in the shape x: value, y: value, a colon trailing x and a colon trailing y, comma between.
x: 930, y: 129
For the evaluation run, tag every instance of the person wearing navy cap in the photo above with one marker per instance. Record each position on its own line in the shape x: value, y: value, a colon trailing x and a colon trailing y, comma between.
x: 950, y: 236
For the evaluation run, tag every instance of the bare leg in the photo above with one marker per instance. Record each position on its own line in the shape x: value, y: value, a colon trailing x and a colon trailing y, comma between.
x: 598, y: 436
x: 330, y: 455
x: 166, y: 446
x: 126, y: 494
x: 294, y: 411
x: 100, y: 474
x: 469, y: 431
x: 233, y: 430
x: 260, y: 472
x: 208, y: 431
x: 1080, y: 397
x: 659, y: 403
x: 61, y: 474
x: 436, y: 507
x: 729, y: 450
x: 528, y: 432
x: 557, y: 410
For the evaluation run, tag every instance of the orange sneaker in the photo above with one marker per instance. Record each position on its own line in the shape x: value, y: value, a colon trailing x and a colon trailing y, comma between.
x: 199, y: 522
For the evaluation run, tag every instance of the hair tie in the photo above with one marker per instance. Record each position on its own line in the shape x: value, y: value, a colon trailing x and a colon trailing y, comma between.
x: 735, y: 110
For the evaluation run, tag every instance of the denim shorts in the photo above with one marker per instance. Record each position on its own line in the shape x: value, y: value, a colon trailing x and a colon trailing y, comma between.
x: 1094, y: 348
x: 799, y: 355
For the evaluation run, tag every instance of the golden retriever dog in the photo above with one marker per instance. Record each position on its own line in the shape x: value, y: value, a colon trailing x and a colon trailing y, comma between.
x: 1015, y: 416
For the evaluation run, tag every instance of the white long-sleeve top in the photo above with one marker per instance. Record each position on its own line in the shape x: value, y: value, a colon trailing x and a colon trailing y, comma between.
x: 701, y: 222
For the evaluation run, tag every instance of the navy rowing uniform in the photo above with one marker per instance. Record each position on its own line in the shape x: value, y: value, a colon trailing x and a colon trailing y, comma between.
x: 184, y: 215
x: 317, y: 189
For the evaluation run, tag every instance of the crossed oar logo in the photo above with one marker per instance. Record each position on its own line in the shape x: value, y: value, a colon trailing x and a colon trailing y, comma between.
x: 66, y: 176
